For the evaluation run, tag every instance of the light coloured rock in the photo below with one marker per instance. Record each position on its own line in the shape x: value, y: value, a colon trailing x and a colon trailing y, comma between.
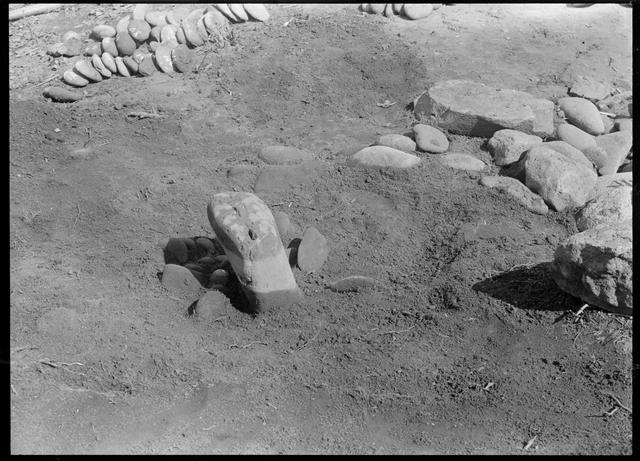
x: 180, y: 279
x: 183, y: 59
x: 224, y: 9
x: 561, y: 182
x: 194, y: 15
x: 180, y: 36
x: 247, y: 231
x: 109, y: 62
x: 569, y: 151
x: 163, y: 59
x: 215, y: 23
x: 156, y: 18
x: 607, y: 123
x: 122, y: 26
x: 507, y: 146
x: 573, y: 135
x: 430, y: 139
x: 589, y: 88
x: 100, y: 66
x: 72, y: 78
x: 168, y: 33
x: 376, y: 8
x: 86, y: 69
x: 417, y: 10
x: 212, y: 305
x: 583, y: 114
x: 518, y: 191
x: 153, y: 45
x: 313, y: 250
x: 397, y: 141
x: 93, y: 48
x: 284, y: 155
x: 139, y: 30
x: 383, y: 157
x: 470, y: 108
x: 617, y: 145
x: 202, y: 30
x: 283, y: 223
x: 238, y: 10
x: 597, y: 266
x: 388, y: 10
x: 623, y: 124
x: 122, y: 68
x: 140, y: 11
x: 397, y: 8
x: 147, y: 66
x: 132, y: 65
x: 177, y: 14
x: 257, y: 11
x: 140, y: 53
x: 191, y: 33
x: 71, y: 35
x: 612, y: 203
x: 462, y: 162
x: 352, y: 283
x: 101, y: 31
x: 126, y: 44
x: 109, y: 46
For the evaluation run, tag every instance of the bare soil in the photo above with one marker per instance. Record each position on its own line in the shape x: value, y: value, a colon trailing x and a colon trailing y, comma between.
x: 465, y: 347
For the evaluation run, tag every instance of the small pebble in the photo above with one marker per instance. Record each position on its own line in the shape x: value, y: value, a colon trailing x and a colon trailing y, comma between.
x: 205, y: 244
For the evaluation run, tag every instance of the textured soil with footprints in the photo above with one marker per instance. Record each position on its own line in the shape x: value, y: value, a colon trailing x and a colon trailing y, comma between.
x: 464, y: 345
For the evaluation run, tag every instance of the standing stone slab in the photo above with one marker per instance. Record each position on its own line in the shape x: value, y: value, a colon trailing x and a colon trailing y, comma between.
x: 249, y: 235
x: 470, y: 108
x: 518, y: 191
x: 596, y: 266
x: 506, y: 146
x: 560, y: 182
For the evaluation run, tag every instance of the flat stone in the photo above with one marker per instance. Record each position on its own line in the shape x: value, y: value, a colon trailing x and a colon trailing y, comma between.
x: 507, y: 146
x: 587, y: 87
x: 212, y: 305
x: 597, y: 266
x: 191, y: 33
x: 284, y: 155
x: 155, y: 18
x: 462, y: 162
x: 518, y: 191
x: 573, y: 135
x: 583, y: 114
x: 313, y: 250
x: 382, y: 157
x: 397, y: 141
x: 569, y: 151
x: 58, y: 94
x: 611, y: 203
x: 352, y: 283
x: 617, y: 145
x: 470, y: 108
x: 561, y: 182
x: 180, y: 279
x: 176, y: 251
x: 247, y: 231
x: 430, y: 139
x: 417, y: 10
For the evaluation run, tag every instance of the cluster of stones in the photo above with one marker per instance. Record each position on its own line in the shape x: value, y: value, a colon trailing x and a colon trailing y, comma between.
x: 567, y: 157
x: 148, y: 41
x: 406, y: 10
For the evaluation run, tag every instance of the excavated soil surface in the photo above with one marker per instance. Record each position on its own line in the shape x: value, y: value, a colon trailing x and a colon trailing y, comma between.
x: 465, y: 346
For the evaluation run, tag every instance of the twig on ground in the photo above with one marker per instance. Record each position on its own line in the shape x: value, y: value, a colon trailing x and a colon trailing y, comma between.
x: 208, y: 428
x: 232, y: 346
x: 141, y: 114
x: 308, y: 342
x: 77, y: 216
x: 22, y: 348
x: 13, y: 389
x: 617, y: 401
x: 53, y: 77
x: 530, y: 443
x: 271, y: 405
x: 611, y: 412
x: 53, y: 364
x: 580, y: 311
x: 488, y: 386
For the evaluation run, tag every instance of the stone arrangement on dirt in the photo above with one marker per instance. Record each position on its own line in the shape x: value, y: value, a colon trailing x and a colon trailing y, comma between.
x: 406, y: 10
x: 149, y: 41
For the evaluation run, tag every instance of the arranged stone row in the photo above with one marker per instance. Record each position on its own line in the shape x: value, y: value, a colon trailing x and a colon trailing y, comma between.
x: 406, y: 10
x: 148, y: 41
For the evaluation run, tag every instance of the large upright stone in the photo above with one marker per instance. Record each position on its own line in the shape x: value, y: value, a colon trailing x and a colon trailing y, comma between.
x: 249, y: 235
x: 470, y: 108
x: 597, y: 266
x: 561, y: 182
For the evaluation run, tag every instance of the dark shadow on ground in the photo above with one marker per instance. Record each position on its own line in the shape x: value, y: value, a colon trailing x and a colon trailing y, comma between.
x: 530, y: 288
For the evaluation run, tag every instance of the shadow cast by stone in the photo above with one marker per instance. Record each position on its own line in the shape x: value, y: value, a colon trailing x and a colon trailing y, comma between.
x: 530, y: 288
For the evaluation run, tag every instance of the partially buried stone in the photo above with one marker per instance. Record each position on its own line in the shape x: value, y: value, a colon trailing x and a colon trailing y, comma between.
x: 93, y: 48
x: 430, y: 139
x: 257, y: 11
x: 462, y: 162
x: 247, y: 231
x: 611, y: 203
x: 191, y: 33
x: 180, y: 279
x: 284, y: 155
x: 417, y: 10
x: 72, y: 47
x: 122, y: 68
x: 620, y: 104
x: 183, y: 59
x: 74, y: 79
x: 163, y: 58
x: 58, y: 94
x: 109, y: 62
x: 100, y: 66
x: 597, y: 266
x: 352, y: 283
x: 397, y: 141
x: 583, y: 114
x: 507, y: 146
x: 176, y: 251
x: 139, y: 30
x: 132, y: 65
x: 101, y: 31
x: 212, y: 305
x: 383, y: 157
x: 313, y: 250
x: 518, y: 191
x: 109, y: 46
x: 561, y: 182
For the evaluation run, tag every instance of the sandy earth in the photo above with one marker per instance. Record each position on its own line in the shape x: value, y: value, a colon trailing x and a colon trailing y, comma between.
x: 465, y: 347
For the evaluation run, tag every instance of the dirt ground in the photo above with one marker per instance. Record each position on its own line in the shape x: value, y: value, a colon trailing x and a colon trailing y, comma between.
x: 465, y: 347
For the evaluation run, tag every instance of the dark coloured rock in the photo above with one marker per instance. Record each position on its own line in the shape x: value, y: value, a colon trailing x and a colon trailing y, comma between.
x: 176, y: 251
